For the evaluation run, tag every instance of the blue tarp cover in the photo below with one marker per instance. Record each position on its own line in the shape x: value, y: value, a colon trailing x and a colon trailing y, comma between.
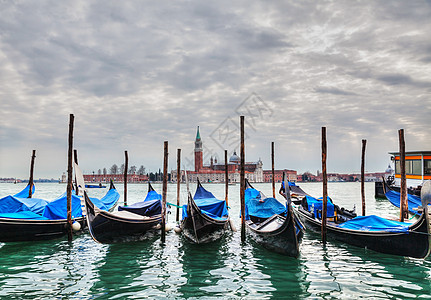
x: 144, y: 208
x: 11, y: 204
x: 375, y: 223
x: 108, y: 201
x: 261, y: 208
x: 24, y: 192
x: 318, y: 205
x: 149, y: 207
x: 23, y: 215
x: 413, y: 201
x: 208, y: 205
x: 289, y: 182
x: 34, y: 204
x: 57, y: 209
x: 153, y: 195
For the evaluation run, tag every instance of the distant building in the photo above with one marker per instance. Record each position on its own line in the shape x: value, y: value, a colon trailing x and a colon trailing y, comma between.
x: 131, y: 178
x: 215, y: 171
x: 278, y: 175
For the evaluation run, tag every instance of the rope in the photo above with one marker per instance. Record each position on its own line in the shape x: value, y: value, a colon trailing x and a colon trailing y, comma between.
x: 173, y: 205
x: 413, y: 216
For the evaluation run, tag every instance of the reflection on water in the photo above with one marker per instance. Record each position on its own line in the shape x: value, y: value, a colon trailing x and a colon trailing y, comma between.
x: 224, y: 269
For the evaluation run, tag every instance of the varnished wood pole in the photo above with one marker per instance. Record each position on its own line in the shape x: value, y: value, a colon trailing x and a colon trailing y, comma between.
x: 165, y: 188
x: 325, y: 185
x: 273, y: 172
x: 69, y: 180
x: 242, y: 179
x: 126, y: 167
x: 178, y: 183
x: 30, y: 181
x: 226, y: 178
x: 403, y: 188
x: 364, y: 143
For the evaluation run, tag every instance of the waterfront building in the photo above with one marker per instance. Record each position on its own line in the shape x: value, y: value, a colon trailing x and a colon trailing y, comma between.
x: 292, y: 175
x: 106, y: 178
x: 215, y: 171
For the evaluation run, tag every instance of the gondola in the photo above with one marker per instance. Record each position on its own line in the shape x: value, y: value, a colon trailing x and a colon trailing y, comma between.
x: 373, y: 232
x: 205, y: 218
x: 413, y: 201
x: 296, y: 193
x: 129, y: 223
x: 95, y: 186
x: 271, y: 223
x: 32, y: 219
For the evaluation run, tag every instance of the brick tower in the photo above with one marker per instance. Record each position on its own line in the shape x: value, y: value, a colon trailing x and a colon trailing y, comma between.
x: 199, y: 160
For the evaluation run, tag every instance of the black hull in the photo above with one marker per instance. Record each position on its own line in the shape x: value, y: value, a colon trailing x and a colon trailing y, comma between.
x: 20, y: 230
x: 380, y: 186
x: 108, y: 228
x: 200, y: 228
x: 283, y: 239
x: 414, y: 244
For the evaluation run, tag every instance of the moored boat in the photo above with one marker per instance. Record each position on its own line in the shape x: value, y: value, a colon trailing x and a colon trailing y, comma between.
x: 205, y: 218
x: 31, y: 219
x: 129, y: 223
x: 373, y: 232
x: 418, y: 169
x: 271, y: 223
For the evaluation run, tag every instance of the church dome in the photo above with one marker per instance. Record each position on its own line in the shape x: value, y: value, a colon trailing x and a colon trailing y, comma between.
x: 389, y: 170
x: 234, y: 158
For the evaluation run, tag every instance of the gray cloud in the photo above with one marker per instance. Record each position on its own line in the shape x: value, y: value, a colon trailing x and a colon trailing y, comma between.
x: 138, y: 73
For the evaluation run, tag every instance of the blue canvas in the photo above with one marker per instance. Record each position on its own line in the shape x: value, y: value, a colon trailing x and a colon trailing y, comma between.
x: 375, y: 223
x: 317, y: 204
x: 261, y: 208
x: 57, y: 209
x: 209, y: 205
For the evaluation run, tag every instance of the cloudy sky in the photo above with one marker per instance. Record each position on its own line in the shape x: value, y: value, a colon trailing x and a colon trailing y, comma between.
x: 137, y: 73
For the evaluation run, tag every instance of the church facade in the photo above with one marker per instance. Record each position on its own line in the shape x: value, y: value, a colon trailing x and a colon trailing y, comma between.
x: 215, y: 171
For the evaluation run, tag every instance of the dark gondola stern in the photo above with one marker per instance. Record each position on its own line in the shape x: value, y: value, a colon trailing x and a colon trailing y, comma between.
x: 199, y: 183
x: 248, y: 184
x: 150, y: 187
x: 90, y: 215
x: 111, y: 185
x: 426, y: 200
x: 193, y: 212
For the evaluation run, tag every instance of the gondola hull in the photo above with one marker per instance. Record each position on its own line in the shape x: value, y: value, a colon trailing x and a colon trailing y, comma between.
x: 280, y: 235
x: 18, y: 230
x: 108, y: 228
x: 415, y: 243
x: 200, y: 228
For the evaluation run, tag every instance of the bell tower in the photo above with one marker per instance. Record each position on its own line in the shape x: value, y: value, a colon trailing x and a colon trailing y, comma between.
x: 198, y: 152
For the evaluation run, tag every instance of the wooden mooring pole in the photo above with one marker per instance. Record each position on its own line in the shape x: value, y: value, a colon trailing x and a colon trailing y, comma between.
x: 226, y: 179
x: 30, y: 181
x: 69, y: 180
x: 364, y: 143
x: 403, y: 188
x: 273, y: 172
x: 165, y: 188
x: 242, y: 179
x: 178, y: 183
x: 325, y: 185
x: 126, y: 167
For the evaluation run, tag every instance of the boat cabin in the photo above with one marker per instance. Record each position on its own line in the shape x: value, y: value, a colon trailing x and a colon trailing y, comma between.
x: 418, y: 167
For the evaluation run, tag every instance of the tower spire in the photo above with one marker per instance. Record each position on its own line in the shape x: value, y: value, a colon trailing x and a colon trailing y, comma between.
x: 198, y: 152
x: 198, y: 135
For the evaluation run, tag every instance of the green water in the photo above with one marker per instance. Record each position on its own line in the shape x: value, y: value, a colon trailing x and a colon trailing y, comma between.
x: 225, y: 269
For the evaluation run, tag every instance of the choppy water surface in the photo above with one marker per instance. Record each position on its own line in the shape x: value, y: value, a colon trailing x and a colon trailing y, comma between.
x: 227, y: 268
